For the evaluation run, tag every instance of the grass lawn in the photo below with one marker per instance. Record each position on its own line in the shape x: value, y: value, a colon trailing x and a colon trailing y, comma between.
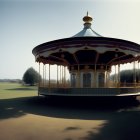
x: 15, y: 90
x: 26, y: 116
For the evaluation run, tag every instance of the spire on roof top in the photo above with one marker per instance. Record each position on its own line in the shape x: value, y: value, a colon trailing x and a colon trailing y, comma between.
x: 87, y: 30
x: 87, y: 18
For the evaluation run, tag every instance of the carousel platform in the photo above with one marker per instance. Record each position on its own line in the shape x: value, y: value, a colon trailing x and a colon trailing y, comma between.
x: 89, y: 92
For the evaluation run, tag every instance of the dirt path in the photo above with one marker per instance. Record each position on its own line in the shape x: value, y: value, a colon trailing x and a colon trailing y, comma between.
x: 31, y: 118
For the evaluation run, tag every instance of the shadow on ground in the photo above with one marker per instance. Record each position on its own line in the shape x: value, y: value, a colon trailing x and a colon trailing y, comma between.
x: 22, y: 89
x: 123, y: 117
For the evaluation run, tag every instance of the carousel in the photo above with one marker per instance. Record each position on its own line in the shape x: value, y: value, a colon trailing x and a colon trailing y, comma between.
x: 89, y: 58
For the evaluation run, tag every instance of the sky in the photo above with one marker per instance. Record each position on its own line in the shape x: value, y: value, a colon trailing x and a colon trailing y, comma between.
x: 25, y: 24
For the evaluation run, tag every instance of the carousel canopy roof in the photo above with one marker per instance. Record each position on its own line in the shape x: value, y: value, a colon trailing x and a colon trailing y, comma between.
x: 87, y: 30
x: 87, y: 46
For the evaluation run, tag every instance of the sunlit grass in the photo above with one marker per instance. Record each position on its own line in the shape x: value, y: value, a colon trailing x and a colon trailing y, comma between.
x: 15, y: 90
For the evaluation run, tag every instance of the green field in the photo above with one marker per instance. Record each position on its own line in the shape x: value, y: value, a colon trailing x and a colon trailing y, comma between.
x: 15, y: 90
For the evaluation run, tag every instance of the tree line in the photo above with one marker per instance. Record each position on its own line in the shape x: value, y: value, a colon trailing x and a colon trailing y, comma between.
x: 128, y: 76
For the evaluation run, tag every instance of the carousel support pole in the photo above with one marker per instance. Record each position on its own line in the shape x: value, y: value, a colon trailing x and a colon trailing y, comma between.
x: 64, y: 76
x: 57, y: 76
x: 60, y: 75
x: 49, y: 79
x: 118, y: 75
x: 115, y: 77
x: 106, y: 78
x: 78, y: 76
x: 43, y: 75
x: 138, y: 73
x: 95, y: 76
x: 134, y: 75
x: 39, y: 78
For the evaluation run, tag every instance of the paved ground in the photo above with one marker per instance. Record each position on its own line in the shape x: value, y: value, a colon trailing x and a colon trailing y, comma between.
x: 37, y: 118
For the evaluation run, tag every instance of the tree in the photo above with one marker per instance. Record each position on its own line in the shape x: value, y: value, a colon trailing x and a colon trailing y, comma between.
x: 128, y: 76
x: 31, y: 76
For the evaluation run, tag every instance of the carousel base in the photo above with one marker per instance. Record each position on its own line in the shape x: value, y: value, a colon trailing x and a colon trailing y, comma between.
x: 90, y: 92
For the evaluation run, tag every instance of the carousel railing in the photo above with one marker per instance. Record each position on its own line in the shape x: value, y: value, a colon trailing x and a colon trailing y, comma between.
x: 110, y: 84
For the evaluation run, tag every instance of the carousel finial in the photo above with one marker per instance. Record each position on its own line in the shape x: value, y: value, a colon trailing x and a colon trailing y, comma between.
x: 87, y: 18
